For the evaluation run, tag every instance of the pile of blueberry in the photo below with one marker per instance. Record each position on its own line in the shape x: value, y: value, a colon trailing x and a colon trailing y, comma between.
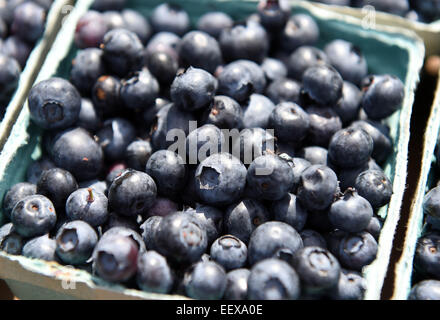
x: 144, y: 183
x: 417, y: 10
x: 22, y: 24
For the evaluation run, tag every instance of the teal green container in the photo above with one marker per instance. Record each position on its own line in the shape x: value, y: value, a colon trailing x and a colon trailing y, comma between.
x: 387, y: 49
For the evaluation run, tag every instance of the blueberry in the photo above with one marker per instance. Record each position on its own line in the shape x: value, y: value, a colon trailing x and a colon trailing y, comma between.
x: 304, y: 58
x: 273, y: 279
x: 357, y: 250
x: 87, y: 67
x: 211, y: 218
x: 41, y: 247
x: 240, y: 79
x: 300, y: 30
x: 375, y: 227
x: 181, y: 238
x: 425, y: 290
x: 429, y: 9
x: 33, y: 216
x: 348, y: 60
x: 284, y: 90
x: 29, y: 21
x: 237, y: 284
x: 132, y: 193
x: 129, y: 233
x: 149, y: 228
x: 137, y: 154
x: 123, y: 51
x: 253, y: 143
x: 96, y: 185
x: 274, y: 14
x: 115, y: 136
x: 214, y: 22
x: 115, y: 220
x: 347, y: 177
x: 271, y: 237
x: 225, y: 113
x: 18, y: 49
x: 351, y: 213
x: 168, y: 170
x: 35, y: 169
x: 324, y: 123
x: 54, y: 104
x: 163, y: 42
x: 87, y: 205
x: 351, y: 286
x: 257, y: 112
x: 139, y: 91
x: 274, y: 69
x: 135, y: 22
x: 290, y: 122
x: 90, y: 30
x: 249, y: 41
x: 312, y: 238
x: 298, y: 166
x: 194, y: 89
x: 75, y: 242
x: 88, y: 118
x: 106, y: 95
x: 314, y: 155
x: 163, y: 66
x: 57, y: 185
x: 115, y: 258
x: 290, y: 211
x: 323, y: 84
x: 163, y: 207
x: 115, y: 171
x: 171, y: 18
x: 374, y: 186
x: 153, y: 273
x: 149, y: 115
x: 431, y: 203
x: 350, y: 148
x: 426, y: 255
x: 10, y: 241
x: 16, y: 193
x: 229, y: 251
x: 383, y: 95
x: 205, y: 280
x: 220, y: 179
x: 348, y: 107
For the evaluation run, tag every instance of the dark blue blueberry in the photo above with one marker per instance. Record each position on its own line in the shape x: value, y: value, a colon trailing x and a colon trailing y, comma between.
x: 115, y: 171
x: 348, y: 60
x: 139, y: 91
x: 324, y: 123
x: 312, y: 238
x: 230, y: 252
x: 314, y: 155
x: 431, y: 203
x: 171, y: 18
x: 426, y: 259
x: 304, y: 58
x: 429, y: 9
x: 374, y: 186
x: 88, y: 118
x: 57, y: 185
x: 351, y: 213
x: 181, y: 238
x: 163, y: 207
x: 225, y: 113
x: 114, y: 138
x: 256, y: 113
x: 87, y: 67
x: 75, y: 242
x: 271, y: 237
x: 211, y: 218
x: 318, y: 187
x: 273, y: 279
x: 290, y: 211
x: 36, y: 168
x: 284, y: 90
x: 237, y: 284
x: 317, y: 269
x: 350, y: 148
x: 54, y: 104
x: 194, y: 89
x: 18, y: 49
x: 205, y: 281
x: 214, y: 22
x: 300, y: 30
x: 249, y: 41
x: 168, y: 170
x: 274, y: 14
x: 149, y: 115
x: 153, y: 273
x: 323, y: 84
x: 270, y: 177
x: 115, y: 258
x: 123, y: 52
x: 87, y: 205
x: 90, y: 30
x: 29, y: 21
x: 114, y: 20
x: 106, y: 95
x: 137, y: 154
x: 129, y: 233
x: 242, y: 218
x: 96, y: 185
x: 163, y: 66
x: 334, y: 238
x: 375, y: 227
x: 115, y: 220
x: 253, y: 143
x: 106, y: 5
x: 347, y: 177
x: 149, y: 228
x: 240, y: 79
x: 351, y: 286
x: 135, y: 22
x: 10, y: 241
x: 41, y: 247
x: 220, y: 179
x: 348, y: 107
x: 274, y: 69
x: 163, y: 42
x: 383, y: 95
x: 132, y: 193
x: 290, y: 122
x: 33, y: 216
x: 425, y: 290
x: 16, y: 193
x: 298, y: 166
x: 357, y: 250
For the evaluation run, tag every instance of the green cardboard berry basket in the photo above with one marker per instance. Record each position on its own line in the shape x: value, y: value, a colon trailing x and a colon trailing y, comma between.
x: 429, y: 32
x: 388, y: 50
x: 56, y: 14
x: 415, y: 227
